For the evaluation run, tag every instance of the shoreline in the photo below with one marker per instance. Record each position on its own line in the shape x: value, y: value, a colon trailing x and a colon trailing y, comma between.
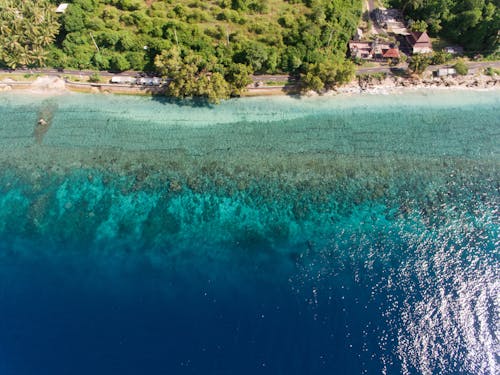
x: 394, y: 84
x: 54, y: 85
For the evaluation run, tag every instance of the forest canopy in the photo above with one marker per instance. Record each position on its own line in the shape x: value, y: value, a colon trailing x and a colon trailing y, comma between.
x: 269, y: 36
x: 27, y: 30
x: 474, y: 24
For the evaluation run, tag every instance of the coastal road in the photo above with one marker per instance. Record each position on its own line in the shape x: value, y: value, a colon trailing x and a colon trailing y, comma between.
x: 65, y: 71
x: 256, y: 78
x: 380, y: 69
x: 482, y: 64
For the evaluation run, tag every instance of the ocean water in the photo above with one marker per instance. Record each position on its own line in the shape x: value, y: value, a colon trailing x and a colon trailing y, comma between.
x: 340, y: 235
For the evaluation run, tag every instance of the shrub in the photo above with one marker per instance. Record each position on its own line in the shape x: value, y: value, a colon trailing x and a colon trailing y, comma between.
x: 461, y: 68
x: 95, y: 77
x: 440, y: 57
x: 491, y: 71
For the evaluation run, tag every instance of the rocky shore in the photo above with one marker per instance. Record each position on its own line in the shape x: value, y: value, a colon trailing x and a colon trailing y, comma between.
x: 390, y: 84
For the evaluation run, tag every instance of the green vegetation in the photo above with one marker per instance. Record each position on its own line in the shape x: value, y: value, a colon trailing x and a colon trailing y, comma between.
x: 372, y: 76
x: 419, y: 26
x: 95, y: 77
x: 327, y: 74
x: 418, y: 63
x: 277, y: 83
x: 27, y: 28
x: 440, y: 57
x: 473, y: 24
x: 490, y: 71
x: 461, y: 68
x: 207, y: 47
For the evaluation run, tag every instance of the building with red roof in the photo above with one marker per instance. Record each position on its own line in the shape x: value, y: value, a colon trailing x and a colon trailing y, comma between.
x: 391, y: 53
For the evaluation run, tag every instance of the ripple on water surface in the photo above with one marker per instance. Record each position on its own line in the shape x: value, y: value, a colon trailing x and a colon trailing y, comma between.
x: 350, y: 234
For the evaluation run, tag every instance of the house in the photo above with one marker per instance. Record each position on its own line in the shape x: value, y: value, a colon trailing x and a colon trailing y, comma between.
x: 380, y: 51
x: 391, y: 53
x: 361, y: 50
x: 419, y: 42
x: 62, y: 8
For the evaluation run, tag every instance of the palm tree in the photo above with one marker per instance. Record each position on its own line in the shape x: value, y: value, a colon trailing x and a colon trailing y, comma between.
x: 26, y: 28
x: 38, y: 56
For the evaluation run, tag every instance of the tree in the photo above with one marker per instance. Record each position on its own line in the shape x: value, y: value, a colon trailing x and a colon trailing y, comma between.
x: 119, y: 63
x: 214, y: 87
x: 123, y: 34
x: 169, y: 62
x: 254, y: 54
x: 27, y: 30
x: 440, y: 57
x: 191, y: 75
x: 238, y: 4
x: 239, y: 77
x: 418, y: 63
x: 414, y: 4
x: 312, y: 82
x: 74, y: 19
x: 328, y: 74
x: 419, y: 26
x: 473, y: 24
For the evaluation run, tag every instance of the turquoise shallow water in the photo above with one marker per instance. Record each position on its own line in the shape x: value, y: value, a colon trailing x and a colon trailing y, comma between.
x: 266, y: 235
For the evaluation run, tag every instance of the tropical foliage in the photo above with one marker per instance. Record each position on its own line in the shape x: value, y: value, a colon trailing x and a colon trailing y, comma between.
x: 27, y: 28
x: 418, y: 63
x: 461, y: 68
x: 473, y: 24
x: 206, y: 47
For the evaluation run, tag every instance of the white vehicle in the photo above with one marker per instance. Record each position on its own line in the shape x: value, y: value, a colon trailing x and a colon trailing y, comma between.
x: 149, y: 81
x: 124, y: 80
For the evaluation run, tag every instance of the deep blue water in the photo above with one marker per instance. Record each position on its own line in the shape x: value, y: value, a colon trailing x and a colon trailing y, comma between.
x: 265, y: 236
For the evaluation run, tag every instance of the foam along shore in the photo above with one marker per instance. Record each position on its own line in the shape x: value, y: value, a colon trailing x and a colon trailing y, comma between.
x: 44, y: 84
x: 56, y: 85
x: 367, y: 84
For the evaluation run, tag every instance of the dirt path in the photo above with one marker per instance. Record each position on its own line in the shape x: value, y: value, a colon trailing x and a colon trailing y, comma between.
x: 371, y: 6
